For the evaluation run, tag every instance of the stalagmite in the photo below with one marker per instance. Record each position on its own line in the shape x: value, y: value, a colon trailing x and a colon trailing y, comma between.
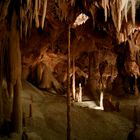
x: 135, y: 133
x: 31, y: 107
x: 101, y: 100
x: 17, y: 111
x: 92, y: 79
x: 6, y: 101
x: 5, y: 108
x: 80, y: 93
x: 24, y: 119
x: 136, y: 93
x: 44, y: 13
x: 1, y: 106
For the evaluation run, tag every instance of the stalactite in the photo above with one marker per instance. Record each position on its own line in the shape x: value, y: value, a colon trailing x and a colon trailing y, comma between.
x: 119, y: 14
x: 92, y: 11
x: 59, y: 2
x: 126, y: 9
x: 26, y: 27
x: 119, y: 21
x: 30, y: 23
x: 122, y: 4
x: 116, y: 10
x: 36, y: 13
x: 114, y: 13
x: 105, y: 5
x: 59, y: 10
x: 39, y: 4
x: 4, y: 9
x: 44, y: 13
x: 28, y: 3
x: 133, y: 2
x: 63, y: 9
x: 21, y: 18
x: 72, y: 2
x: 106, y: 1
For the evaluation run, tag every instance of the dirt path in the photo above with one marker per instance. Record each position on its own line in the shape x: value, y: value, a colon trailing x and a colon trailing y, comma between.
x: 49, y: 118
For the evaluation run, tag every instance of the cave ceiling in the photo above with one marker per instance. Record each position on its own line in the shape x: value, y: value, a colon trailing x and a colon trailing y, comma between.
x: 43, y: 27
x: 108, y: 22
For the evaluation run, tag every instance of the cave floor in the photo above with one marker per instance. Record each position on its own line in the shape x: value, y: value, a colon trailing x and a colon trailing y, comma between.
x: 49, y: 117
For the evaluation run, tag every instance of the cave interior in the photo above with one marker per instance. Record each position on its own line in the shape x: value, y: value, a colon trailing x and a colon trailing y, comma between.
x: 69, y: 69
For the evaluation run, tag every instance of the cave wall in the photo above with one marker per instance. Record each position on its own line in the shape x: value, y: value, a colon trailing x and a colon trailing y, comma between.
x: 38, y: 49
x: 39, y: 29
